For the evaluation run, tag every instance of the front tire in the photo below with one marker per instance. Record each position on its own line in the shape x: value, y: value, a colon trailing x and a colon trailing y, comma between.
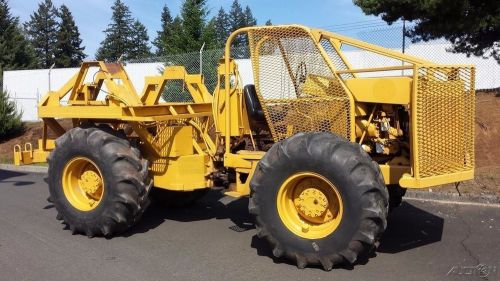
x: 98, y: 182
x: 335, y: 203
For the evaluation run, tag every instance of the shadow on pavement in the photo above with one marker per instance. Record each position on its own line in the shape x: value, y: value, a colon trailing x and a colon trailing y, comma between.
x: 6, y: 174
x: 206, y: 208
x: 410, y: 227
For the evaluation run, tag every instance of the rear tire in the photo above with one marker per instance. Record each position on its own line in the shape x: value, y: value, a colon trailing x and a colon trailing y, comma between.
x: 349, y: 170
x: 125, y: 181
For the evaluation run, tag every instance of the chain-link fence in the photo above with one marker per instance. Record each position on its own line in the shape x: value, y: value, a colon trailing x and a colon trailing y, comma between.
x: 26, y: 95
x: 437, y: 51
x: 203, y: 61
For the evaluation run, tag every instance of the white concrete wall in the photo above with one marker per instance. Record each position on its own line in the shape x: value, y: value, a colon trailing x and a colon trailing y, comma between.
x: 26, y: 87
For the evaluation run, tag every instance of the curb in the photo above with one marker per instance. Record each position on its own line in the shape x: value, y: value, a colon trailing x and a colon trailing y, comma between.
x: 25, y: 168
x: 490, y: 200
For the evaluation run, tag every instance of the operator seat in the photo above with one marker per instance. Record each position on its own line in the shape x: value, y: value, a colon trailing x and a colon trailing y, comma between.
x: 254, y: 108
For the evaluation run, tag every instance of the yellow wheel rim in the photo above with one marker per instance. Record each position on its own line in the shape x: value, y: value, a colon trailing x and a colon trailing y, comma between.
x: 309, y: 205
x: 83, y: 184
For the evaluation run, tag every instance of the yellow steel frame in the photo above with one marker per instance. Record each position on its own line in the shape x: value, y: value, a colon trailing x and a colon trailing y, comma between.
x: 173, y: 148
x: 406, y: 176
x: 121, y: 104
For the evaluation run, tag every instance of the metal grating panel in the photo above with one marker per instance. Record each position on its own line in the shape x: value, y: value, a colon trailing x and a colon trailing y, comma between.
x: 295, y: 85
x: 335, y: 58
x: 445, y: 120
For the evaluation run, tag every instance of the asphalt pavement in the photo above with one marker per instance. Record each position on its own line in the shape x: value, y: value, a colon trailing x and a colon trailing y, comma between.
x: 216, y: 241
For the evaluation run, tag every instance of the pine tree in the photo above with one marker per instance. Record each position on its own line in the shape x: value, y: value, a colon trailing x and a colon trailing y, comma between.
x: 236, y: 16
x: 68, y: 49
x: 164, y: 36
x: 268, y: 22
x: 249, y: 19
x: 221, y: 27
x: 238, y: 19
x: 140, y: 46
x: 193, y: 14
x: 473, y: 27
x: 176, y: 44
x: 42, y: 31
x: 118, y: 34
x: 10, y: 119
x: 15, y: 50
x: 209, y: 36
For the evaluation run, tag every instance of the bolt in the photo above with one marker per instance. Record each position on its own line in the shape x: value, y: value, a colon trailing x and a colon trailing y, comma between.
x: 305, y: 227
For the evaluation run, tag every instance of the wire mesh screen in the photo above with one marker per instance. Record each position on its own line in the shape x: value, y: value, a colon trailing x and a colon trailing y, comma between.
x: 295, y: 85
x: 335, y: 58
x: 445, y: 124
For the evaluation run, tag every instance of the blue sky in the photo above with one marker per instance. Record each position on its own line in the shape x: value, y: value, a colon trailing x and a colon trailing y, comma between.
x: 92, y: 16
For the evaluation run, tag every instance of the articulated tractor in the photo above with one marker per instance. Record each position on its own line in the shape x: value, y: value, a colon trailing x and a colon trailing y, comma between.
x: 322, y: 146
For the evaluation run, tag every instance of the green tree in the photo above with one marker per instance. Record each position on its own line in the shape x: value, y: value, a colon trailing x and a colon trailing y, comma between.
x: 118, y: 34
x: 222, y: 27
x: 249, y: 19
x: 10, y: 119
x: 140, y: 42
x: 236, y: 16
x: 239, y: 18
x: 209, y: 35
x: 268, y: 22
x: 15, y: 50
x: 473, y: 27
x: 193, y: 14
x: 176, y: 45
x: 42, y: 32
x: 164, y: 36
x: 68, y: 46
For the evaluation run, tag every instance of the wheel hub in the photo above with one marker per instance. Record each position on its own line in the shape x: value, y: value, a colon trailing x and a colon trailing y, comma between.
x: 83, y: 184
x: 90, y: 181
x: 311, y: 203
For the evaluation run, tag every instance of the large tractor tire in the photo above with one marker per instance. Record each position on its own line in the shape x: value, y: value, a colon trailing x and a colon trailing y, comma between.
x: 177, y: 199
x: 319, y: 200
x: 98, y: 182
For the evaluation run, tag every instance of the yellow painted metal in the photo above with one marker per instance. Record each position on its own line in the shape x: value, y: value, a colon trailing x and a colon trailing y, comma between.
x: 155, y: 85
x: 237, y: 118
x: 280, y: 53
x: 178, y: 166
x: 28, y: 155
x: 304, y: 83
x: 181, y: 173
x: 175, y: 141
x: 393, y: 90
x: 83, y: 183
x: 245, y: 162
x: 442, y: 123
x: 393, y: 173
x: 374, y: 69
x: 296, y: 83
x: 409, y: 181
x: 122, y: 101
x: 309, y: 205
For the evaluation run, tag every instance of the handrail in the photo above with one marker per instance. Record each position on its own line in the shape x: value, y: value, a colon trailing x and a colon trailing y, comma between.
x: 374, y: 69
